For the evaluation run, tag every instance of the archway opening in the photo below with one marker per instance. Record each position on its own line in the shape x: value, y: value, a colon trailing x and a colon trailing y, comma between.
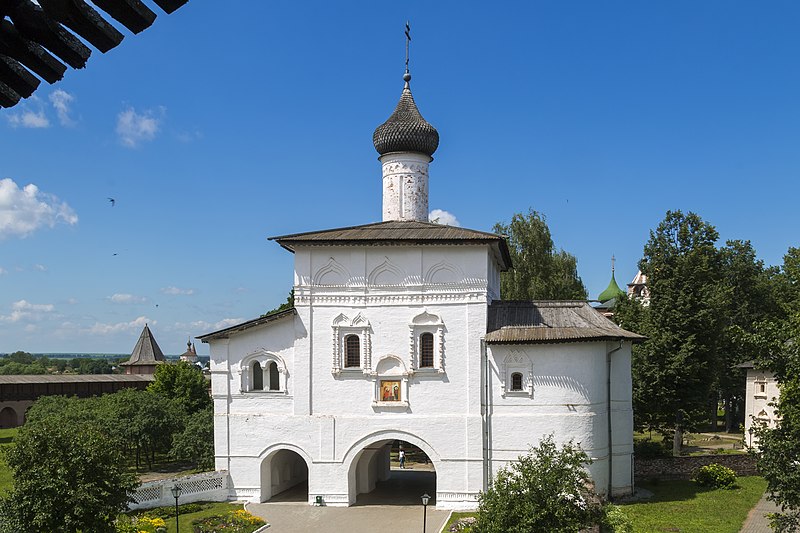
x: 284, y: 477
x: 8, y: 418
x: 377, y: 476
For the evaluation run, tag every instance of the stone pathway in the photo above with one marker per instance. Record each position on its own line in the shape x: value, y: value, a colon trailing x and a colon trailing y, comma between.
x: 756, y: 521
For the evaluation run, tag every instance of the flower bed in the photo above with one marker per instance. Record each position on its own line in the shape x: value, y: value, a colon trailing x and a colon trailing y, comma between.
x: 239, y: 521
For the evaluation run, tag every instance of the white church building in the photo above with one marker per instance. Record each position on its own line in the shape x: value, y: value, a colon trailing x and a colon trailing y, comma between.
x: 398, y: 333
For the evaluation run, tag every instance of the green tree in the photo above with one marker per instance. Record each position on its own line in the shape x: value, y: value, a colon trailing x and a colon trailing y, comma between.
x: 288, y: 304
x: 195, y: 443
x: 68, y: 478
x: 540, y: 271
x: 674, y: 369
x: 777, y: 343
x: 545, y: 490
x: 183, y: 383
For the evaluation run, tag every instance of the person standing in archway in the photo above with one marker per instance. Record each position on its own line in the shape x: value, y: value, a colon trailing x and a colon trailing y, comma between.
x: 402, y: 456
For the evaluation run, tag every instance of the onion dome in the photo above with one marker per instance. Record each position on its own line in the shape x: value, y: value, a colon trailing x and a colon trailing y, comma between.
x: 612, y: 291
x: 406, y: 130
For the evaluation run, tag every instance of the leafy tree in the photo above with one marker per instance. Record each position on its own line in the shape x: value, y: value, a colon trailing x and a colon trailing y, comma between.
x: 674, y: 369
x: 540, y: 271
x: 67, y: 478
x: 778, y: 344
x: 546, y: 490
x: 196, y: 442
x: 288, y: 304
x: 183, y: 383
x: 23, y: 358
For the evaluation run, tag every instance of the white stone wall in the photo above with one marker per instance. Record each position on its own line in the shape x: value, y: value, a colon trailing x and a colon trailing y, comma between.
x: 565, y: 393
x: 405, y: 186
x: 761, y: 390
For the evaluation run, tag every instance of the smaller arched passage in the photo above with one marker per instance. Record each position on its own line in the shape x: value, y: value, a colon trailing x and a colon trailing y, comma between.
x: 377, y: 477
x: 8, y: 418
x: 284, y: 476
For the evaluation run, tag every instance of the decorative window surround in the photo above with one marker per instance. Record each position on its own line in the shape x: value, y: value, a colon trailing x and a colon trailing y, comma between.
x: 426, y: 323
x: 390, y: 369
x: 342, y: 327
x: 760, y: 387
x: 263, y: 358
x: 517, y: 363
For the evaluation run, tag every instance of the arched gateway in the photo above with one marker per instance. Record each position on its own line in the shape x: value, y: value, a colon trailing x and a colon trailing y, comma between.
x: 284, y: 471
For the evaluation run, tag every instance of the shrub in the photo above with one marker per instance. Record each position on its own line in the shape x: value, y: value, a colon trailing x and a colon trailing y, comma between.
x: 715, y: 476
x: 615, y: 520
x: 169, y: 512
x: 239, y: 521
x: 648, y: 449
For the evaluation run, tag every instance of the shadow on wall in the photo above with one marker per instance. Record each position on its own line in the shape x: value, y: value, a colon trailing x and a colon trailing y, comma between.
x: 561, y: 382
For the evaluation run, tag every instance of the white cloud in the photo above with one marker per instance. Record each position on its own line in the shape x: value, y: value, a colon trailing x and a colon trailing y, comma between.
x: 72, y: 301
x: 24, y: 310
x: 30, y: 328
x: 104, y: 329
x: 3, y: 271
x: 175, y: 291
x: 202, y: 325
x: 40, y: 268
x: 28, y: 118
x: 23, y: 211
x: 122, y: 298
x: 134, y: 128
x: 440, y: 216
x: 61, y: 101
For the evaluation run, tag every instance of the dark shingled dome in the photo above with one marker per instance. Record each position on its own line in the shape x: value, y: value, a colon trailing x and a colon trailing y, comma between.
x: 406, y: 130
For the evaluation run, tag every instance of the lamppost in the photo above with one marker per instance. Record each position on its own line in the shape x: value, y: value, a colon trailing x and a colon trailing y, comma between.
x: 750, y: 431
x: 176, y: 493
x: 425, y: 499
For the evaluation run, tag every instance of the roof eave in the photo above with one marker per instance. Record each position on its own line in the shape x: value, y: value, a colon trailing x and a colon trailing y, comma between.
x: 237, y: 328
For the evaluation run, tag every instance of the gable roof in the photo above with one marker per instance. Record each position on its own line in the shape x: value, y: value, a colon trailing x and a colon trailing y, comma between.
x: 146, y: 351
x: 232, y: 330
x: 398, y: 232
x: 543, y: 321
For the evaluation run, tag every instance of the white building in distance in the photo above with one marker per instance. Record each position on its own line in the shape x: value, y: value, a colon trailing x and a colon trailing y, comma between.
x: 398, y: 332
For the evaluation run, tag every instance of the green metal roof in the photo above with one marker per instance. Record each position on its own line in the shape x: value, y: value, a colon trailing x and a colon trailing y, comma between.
x: 612, y: 291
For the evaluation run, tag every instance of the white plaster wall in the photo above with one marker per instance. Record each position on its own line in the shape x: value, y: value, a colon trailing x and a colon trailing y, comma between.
x: 570, y: 400
x: 405, y: 186
x: 757, y: 402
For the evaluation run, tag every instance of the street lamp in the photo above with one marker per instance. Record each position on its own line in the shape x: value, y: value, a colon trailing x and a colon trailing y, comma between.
x: 750, y: 431
x: 176, y: 493
x: 425, y: 499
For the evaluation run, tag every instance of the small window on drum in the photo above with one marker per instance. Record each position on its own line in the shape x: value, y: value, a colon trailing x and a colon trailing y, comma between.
x: 352, y: 350
x: 258, y: 376
x: 516, y: 381
x: 426, y: 350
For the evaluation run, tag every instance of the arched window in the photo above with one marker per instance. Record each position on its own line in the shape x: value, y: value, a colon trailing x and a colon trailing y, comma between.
x: 516, y: 381
x: 258, y: 376
x: 352, y: 350
x: 274, y: 376
x: 426, y: 350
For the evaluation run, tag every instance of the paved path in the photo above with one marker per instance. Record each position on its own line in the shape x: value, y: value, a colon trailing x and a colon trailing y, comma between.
x: 393, y: 506
x: 756, y: 521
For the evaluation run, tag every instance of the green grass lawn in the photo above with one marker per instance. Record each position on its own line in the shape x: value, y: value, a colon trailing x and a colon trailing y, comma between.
x: 185, y: 520
x: 687, y: 508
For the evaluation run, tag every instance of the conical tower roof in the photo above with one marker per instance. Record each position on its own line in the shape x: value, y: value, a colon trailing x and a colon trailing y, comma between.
x: 146, y: 351
x: 405, y: 130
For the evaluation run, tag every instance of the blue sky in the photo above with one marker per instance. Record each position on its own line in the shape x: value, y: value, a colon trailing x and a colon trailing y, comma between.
x: 226, y: 123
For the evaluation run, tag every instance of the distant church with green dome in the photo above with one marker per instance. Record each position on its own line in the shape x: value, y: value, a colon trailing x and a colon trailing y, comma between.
x: 608, y: 298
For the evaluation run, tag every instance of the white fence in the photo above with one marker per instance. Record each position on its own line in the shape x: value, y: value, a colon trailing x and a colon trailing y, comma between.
x: 207, y: 487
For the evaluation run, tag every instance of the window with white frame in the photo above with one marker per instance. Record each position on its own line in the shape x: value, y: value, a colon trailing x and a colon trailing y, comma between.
x: 426, y: 346
x: 351, y: 344
x: 263, y: 371
x: 391, y: 384
x: 760, y: 390
x: 516, y: 374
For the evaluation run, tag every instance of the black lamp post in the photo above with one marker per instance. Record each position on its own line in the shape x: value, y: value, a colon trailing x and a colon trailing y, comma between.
x: 176, y: 493
x: 750, y: 431
x: 425, y: 499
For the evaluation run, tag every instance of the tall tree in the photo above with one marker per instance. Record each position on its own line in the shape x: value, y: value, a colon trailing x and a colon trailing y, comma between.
x: 540, y: 271
x: 183, y: 383
x: 674, y: 369
x: 68, y: 478
x: 777, y: 343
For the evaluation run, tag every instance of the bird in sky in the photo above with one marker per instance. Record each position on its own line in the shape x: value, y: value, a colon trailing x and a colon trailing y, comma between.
x: 113, y: 201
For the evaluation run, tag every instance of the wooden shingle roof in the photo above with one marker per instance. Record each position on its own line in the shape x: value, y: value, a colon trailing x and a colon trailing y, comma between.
x: 146, y: 352
x: 41, y: 38
x: 535, y: 322
x: 232, y: 330
x: 398, y: 232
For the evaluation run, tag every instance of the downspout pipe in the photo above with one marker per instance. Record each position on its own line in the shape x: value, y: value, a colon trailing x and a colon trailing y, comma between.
x: 608, y: 414
x: 487, y: 415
